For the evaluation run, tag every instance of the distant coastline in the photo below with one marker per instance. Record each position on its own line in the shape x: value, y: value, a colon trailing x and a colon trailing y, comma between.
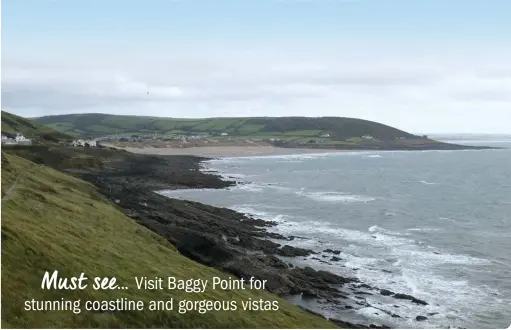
x: 247, y: 151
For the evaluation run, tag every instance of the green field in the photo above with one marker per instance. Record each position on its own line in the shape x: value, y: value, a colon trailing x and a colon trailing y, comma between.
x: 52, y: 221
x: 339, y: 128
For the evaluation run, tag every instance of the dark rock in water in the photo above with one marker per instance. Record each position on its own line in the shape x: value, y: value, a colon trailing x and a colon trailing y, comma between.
x: 290, y: 265
x: 260, y: 223
x: 385, y: 292
x: 348, y: 307
x: 408, y: 297
x: 432, y: 314
x: 362, y: 292
x: 290, y: 251
x: 419, y: 301
x: 374, y: 326
x: 421, y: 318
x: 275, y: 236
x: 338, y: 295
x: 322, y: 261
x: 332, y: 251
x: 335, y: 258
x: 395, y: 316
x: 386, y: 271
x: 363, y: 285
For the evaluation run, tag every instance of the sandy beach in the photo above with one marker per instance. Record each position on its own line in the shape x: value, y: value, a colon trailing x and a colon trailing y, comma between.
x: 228, y: 151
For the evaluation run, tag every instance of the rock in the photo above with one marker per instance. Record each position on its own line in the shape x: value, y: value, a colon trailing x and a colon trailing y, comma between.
x: 334, y: 258
x: 290, y: 251
x: 332, y: 251
x: 276, y: 262
x: 348, y: 307
x: 432, y: 314
x: 395, y: 316
x: 421, y: 318
x: 275, y: 236
x: 308, y: 293
x: 408, y: 297
x: 322, y: 261
x: 419, y: 301
x: 385, y: 292
x: 338, y: 295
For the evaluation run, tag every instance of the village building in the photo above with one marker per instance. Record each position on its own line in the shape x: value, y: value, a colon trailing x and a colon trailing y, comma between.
x: 84, y: 143
x: 19, y: 139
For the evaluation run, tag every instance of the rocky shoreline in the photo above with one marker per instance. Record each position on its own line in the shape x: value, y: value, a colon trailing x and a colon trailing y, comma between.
x: 220, y: 237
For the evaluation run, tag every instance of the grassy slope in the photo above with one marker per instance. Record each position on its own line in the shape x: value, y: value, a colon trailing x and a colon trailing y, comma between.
x: 339, y: 128
x: 12, y: 124
x: 54, y: 221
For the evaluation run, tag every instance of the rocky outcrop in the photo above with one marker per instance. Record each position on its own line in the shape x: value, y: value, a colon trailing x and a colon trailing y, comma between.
x: 220, y: 237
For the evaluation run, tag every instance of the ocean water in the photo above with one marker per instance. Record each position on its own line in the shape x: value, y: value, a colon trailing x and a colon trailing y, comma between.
x: 433, y: 224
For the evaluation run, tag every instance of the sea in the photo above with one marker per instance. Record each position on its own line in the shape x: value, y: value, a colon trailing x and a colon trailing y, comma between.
x: 432, y: 224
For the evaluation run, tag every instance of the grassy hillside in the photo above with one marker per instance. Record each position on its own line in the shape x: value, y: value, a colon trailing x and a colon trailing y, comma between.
x: 12, y: 124
x: 51, y: 220
x: 339, y: 128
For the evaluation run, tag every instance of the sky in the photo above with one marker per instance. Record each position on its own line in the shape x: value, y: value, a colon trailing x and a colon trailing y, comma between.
x: 425, y: 66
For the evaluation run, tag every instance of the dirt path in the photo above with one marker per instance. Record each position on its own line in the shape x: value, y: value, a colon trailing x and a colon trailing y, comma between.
x: 9, y: 192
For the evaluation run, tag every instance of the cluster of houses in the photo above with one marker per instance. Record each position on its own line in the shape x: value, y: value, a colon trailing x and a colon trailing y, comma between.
x: 84, y: 143
x: 19, y: 139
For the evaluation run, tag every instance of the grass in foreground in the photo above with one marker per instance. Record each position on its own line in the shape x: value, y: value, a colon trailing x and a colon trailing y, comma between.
x: 51, y: 220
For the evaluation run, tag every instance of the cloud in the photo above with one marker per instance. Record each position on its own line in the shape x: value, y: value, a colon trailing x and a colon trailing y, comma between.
x: 425, y: 94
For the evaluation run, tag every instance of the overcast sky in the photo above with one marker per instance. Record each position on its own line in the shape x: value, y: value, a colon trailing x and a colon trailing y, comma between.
x: 426, y: 66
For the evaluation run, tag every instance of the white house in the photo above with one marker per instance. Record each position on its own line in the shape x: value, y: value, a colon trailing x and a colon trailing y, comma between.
x: 367, y: 137
x: 83, y: 143
x: 224, y: 134
x: 78, y: 143
x: 325, y: 135
x: 92, y: 143
x: 20, y: 139
x: 7, y: 140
